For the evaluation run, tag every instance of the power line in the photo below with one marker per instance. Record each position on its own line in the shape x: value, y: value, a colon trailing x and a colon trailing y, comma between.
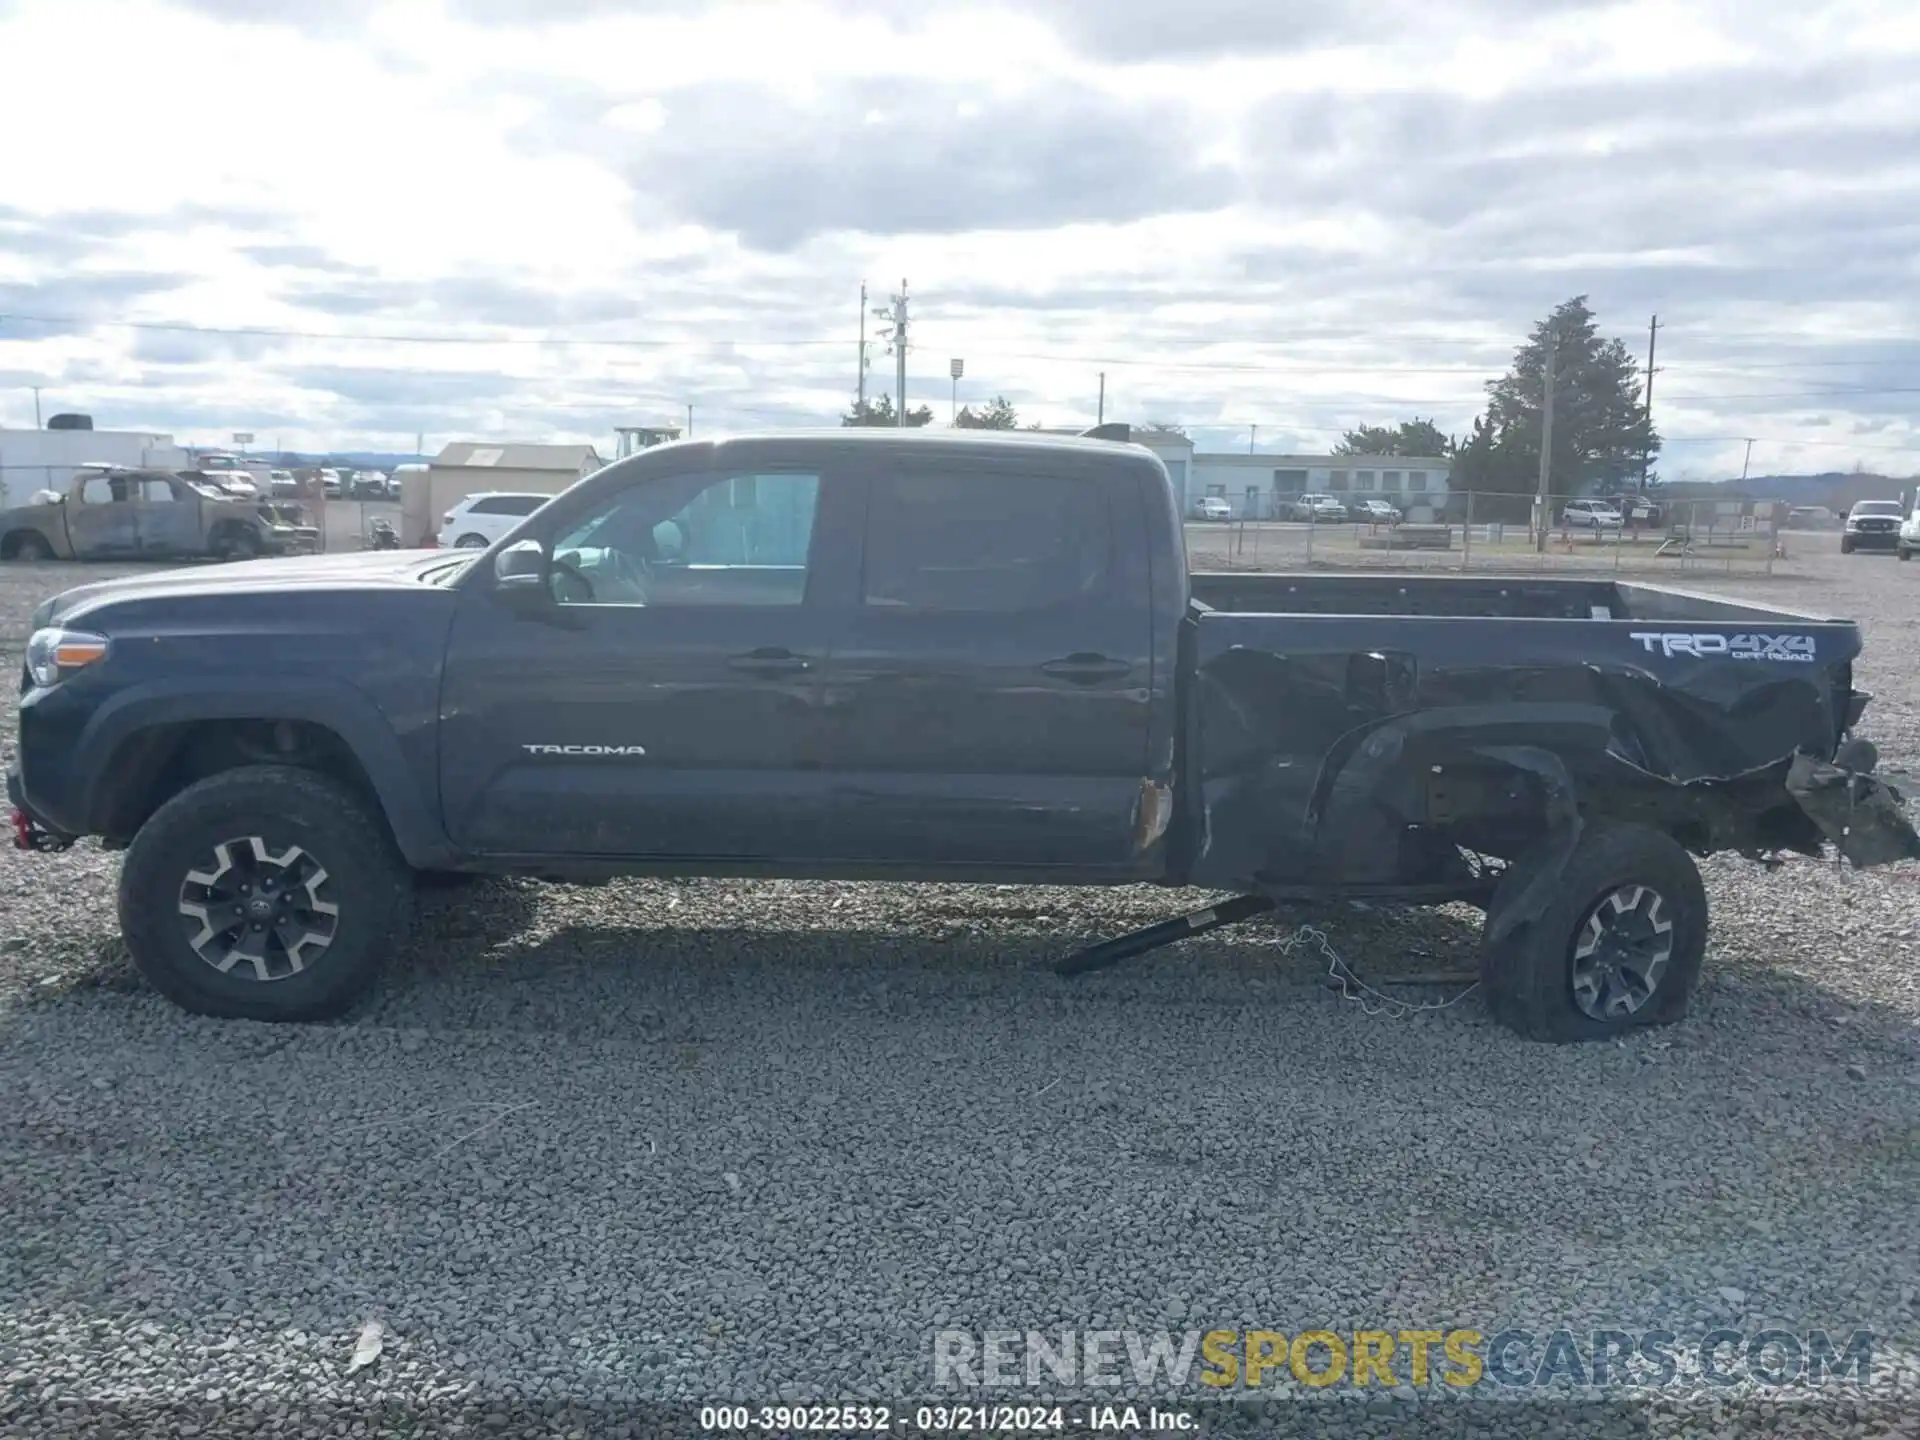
x: 1210, y: 341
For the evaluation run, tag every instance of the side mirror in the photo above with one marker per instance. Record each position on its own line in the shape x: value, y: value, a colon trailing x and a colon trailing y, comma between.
x: 521, y: 575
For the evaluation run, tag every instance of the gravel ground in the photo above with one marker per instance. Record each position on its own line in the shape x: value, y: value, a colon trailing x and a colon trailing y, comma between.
x: 592, y: 1157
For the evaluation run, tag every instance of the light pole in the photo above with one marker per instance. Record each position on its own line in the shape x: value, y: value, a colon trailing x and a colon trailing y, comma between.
x: 955, y: 369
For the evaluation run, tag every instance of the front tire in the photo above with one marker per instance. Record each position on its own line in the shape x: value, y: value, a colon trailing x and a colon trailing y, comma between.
x: 263, y: 893
x: 1618, y: 946
x: 237, y: 542
x: 471, y: 542
x: 1903, y: 552
x: 1846, y: 547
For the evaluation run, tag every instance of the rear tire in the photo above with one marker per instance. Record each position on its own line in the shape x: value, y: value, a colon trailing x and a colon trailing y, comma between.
x: 1629, y: 908
x: 264, y: 833
x: 30, y: 547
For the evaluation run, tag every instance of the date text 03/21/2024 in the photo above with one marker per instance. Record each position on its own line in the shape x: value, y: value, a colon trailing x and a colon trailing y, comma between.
x: 1056, y: 1420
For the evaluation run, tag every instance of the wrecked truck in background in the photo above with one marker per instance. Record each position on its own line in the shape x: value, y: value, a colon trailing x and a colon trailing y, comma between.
x: 112, y: 512
x: 950, y: 657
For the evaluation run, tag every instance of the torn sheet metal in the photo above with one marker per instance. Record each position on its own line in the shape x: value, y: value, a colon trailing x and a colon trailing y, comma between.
x: 1314, y: 735
x: 1864, y: 817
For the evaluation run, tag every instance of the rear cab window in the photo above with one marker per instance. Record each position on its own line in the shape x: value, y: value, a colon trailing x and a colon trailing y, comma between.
x: 956, y: 541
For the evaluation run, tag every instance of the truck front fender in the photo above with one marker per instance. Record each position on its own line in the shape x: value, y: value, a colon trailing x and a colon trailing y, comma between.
x: 409, y: 805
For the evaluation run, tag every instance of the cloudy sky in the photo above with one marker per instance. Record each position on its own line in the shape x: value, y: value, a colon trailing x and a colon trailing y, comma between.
x: 344, y: 222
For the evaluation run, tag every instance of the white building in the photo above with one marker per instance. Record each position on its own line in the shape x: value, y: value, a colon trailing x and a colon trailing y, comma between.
x: 1256, y: 485
x: 33, y: 460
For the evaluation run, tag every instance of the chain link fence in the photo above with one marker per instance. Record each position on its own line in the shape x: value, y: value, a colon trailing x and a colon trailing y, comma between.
x: 1503, y: 532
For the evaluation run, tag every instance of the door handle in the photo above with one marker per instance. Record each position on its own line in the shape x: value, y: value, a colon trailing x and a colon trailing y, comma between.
x: 770, y: 661
x: 1085, y: 669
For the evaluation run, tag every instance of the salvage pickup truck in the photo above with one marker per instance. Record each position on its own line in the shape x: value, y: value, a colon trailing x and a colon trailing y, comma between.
x: 113, y: 512
x: 879, y: 655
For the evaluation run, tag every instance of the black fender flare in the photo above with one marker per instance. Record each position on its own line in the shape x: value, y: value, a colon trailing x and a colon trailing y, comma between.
x: 410, y: 809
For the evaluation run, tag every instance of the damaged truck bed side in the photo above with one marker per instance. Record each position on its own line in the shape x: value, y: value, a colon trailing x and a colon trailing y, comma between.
x: 900, y: 656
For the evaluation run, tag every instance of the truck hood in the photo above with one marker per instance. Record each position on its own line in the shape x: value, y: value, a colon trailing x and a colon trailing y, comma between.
x: 362, y: 570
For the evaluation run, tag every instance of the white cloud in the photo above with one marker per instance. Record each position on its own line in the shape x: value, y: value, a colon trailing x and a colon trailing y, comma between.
x: 1241, y: 216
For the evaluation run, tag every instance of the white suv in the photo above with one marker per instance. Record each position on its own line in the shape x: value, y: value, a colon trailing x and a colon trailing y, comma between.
x: 1591, y: 515
x: 476, y: 521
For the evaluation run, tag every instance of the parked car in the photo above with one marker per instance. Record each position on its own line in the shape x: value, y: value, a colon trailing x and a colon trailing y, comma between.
x: 477, y: 520
x: 1871, y: 525
x: 1375, y: 512
x: 283, y: 484
x: 114, y: 512
x: 1212, y: 507
x: 1809, y: 517
x: 1316, y: 509
x: 1636, y: 509
x: 330, y: 484
x: 1910, y: 534
x: 1591, y: 515
x: 1011, y: 642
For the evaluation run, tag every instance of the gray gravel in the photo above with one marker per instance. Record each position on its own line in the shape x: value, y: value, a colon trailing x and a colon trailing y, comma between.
x: 593, y: 1156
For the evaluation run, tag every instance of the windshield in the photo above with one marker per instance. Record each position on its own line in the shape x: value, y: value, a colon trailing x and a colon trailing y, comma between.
x: 1877, y: 507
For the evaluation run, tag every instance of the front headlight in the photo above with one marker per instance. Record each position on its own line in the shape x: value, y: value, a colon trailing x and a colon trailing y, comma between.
x: 54, y: 653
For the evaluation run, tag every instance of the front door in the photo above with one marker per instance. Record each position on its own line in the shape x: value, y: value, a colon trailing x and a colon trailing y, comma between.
x: 989, y: 699
x: 667, y: 705
x: 101, y: 519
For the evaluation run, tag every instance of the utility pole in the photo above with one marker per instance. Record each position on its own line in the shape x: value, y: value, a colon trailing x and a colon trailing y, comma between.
x: 1646, y: 456
x: 1546, y: 443
x: 1746, y: 462
x: 900, y: 354
x: 896, y: 332
x: 689, y: 420
x: 1253, y: 436
x: 36, y: 407
x: 860, y: 384
x: 955, y: 369
x: 1103, y: 399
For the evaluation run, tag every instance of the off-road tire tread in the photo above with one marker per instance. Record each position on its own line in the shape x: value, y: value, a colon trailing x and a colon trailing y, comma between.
x: 358, y: 849
x: 1525, y: 976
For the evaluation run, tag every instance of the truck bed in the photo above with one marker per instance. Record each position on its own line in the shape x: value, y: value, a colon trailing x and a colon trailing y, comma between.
x: 1340, y: 724
x: 1472, y: 596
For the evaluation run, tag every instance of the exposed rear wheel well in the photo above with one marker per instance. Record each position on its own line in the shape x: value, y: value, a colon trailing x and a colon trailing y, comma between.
x: 15, y: 541
x: 1503, y: 811
x: 153, y: 765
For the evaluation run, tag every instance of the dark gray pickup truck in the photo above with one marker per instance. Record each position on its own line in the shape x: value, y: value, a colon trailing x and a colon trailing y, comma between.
x: 903, y: 656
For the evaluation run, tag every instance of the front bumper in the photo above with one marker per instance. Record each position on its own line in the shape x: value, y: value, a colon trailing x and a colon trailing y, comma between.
x: 1873, y: 539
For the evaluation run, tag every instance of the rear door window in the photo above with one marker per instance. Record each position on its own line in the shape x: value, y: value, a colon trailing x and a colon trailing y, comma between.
x: 986, y: 543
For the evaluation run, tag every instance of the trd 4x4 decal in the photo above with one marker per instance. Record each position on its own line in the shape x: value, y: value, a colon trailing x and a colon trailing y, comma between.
x: 1796, y: 649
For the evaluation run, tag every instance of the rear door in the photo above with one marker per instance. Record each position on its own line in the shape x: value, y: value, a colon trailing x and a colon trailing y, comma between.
x: 989, y: 696
x: 167, y: 517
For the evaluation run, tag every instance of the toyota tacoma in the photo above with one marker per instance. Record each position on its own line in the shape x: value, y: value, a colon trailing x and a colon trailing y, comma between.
x: 876, y: 655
